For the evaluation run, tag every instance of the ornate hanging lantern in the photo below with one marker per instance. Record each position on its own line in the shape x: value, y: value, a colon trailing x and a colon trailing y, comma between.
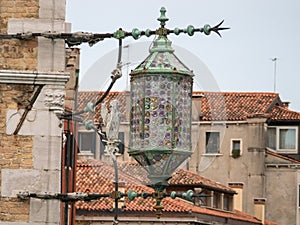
x: 161, y: 99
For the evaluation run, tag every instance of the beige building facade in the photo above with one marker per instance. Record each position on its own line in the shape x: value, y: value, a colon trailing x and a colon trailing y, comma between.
x: 238, y: 146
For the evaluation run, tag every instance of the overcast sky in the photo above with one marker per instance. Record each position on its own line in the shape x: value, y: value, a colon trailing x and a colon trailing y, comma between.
x: 239, y: 61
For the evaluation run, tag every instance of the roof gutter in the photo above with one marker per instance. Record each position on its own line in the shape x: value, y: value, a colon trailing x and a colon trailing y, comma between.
x: 135, y: 219
x: 205, y: 187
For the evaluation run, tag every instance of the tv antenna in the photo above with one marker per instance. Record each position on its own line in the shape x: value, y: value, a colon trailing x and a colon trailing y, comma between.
x: 275, y: 65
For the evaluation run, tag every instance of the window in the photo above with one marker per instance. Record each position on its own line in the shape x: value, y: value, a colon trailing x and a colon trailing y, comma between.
x: 216, y: 200
x: 236, y: 148
x: 212, y: 142
x: 87, y: 141
x: 203, y: 201
x: 203, y: 198
x: 272, y: 138
x: 226, y: 202
x: 283, y: 139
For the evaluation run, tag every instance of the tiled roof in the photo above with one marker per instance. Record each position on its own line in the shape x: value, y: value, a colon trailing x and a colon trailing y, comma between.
x: 92, y: 96
x: 180, y: 177
x: 216, y: 106
x: 234, y: 106
x: 282, y: 113
x: 183, y: 177
x: 94, y: 176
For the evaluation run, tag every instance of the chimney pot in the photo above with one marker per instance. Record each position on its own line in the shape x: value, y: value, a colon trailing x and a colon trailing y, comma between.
x: 238, y: 197
x: 259, y: 209
x: 286, y: 104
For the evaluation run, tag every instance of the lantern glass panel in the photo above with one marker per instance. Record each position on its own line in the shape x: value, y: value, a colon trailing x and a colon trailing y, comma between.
x: 161, y: 109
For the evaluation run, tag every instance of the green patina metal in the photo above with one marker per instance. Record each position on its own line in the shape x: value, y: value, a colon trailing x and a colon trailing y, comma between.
x: 119, y: 34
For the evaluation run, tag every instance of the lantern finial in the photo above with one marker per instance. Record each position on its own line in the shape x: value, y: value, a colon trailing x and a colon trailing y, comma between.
x: 163, y: 17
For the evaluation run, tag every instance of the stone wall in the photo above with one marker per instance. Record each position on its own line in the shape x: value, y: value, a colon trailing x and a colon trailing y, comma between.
x: 15, y: 54
x: 30, y: 159
x: 15, y: 151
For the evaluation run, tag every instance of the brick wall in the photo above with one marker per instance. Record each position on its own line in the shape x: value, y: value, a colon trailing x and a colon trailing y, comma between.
x: 15, y: 151
x: 17, y: 9
x: 15, y: 54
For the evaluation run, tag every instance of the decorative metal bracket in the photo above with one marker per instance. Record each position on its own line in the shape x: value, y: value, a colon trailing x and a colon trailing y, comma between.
x: 77, y: 38
x: 116, y: 195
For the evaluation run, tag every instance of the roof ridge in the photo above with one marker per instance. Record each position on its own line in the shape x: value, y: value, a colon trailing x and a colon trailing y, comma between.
x: 286, y: 109
x: 241, y: 92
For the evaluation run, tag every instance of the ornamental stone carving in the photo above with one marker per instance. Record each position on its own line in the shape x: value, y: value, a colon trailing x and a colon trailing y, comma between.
x: 55, y: 99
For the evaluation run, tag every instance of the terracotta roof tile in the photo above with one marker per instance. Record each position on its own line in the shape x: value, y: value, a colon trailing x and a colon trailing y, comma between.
x: 282, y: 113
x: 180, y: 177
x: 96, y: 177
x: 233, y: 106
x: 216, y: 106
x: 183, y: 177
x: 267, y: 222
x: 92, y: 96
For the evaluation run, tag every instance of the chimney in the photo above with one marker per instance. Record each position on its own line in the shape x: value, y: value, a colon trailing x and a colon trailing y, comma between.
x: 259, y: 209
x: 238, y: 197
x: 196, y: 106
x: 286, y: 104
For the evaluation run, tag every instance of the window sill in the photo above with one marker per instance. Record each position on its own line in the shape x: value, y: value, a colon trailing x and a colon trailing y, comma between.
x: 212, y: 154
x: 282, y: 151
x: 86, y: 153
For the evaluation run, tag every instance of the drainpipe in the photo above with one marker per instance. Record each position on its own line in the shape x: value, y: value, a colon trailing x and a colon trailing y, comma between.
x: 67, y: 169
x: 74, y: 149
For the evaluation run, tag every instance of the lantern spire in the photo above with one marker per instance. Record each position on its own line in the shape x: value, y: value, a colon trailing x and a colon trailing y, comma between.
x: 163, y: 17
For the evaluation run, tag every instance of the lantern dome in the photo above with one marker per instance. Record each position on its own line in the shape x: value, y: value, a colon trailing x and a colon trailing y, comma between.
x: 162, y: 60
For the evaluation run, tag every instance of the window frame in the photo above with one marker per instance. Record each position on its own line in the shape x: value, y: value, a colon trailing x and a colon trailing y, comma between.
x: 93, y: 133
x: 217, y: 200
x: 226, y: 202
x: 277, y: 144
x: 231, y: 145
x: 203, y: 199
x: 218, y: 144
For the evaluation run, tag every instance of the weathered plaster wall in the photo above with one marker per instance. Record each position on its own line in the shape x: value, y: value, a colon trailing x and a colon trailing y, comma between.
x: 247, y: 169
x: 281, y: 195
